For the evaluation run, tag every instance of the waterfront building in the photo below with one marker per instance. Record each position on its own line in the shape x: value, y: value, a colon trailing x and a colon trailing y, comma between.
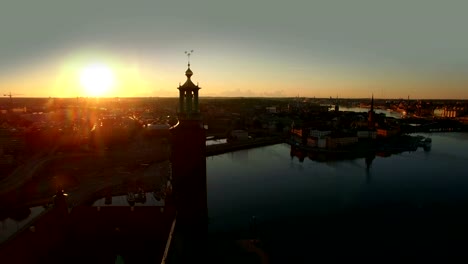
x: 239, y: 135
x: 296, y: 132
x: 372, y: 134
x: 312, y: 142
x: 317, y: 142
x: 449, y: 112
x: 341, y: 141
x: 387, y: 131
x: 319, y: 133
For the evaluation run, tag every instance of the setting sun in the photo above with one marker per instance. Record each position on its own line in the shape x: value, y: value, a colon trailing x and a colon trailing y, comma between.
x: 97, y: 79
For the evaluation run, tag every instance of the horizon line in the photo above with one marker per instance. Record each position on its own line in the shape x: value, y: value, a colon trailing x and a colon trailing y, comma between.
x: 229, y: 97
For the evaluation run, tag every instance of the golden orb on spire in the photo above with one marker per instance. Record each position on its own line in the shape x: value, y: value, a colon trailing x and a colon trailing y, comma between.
x: 188, y: 73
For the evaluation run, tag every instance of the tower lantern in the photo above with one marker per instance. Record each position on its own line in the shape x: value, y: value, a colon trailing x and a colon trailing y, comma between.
x: 188, y: 96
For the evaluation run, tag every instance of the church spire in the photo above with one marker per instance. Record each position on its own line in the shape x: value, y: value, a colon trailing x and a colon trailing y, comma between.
x: 371, y: 114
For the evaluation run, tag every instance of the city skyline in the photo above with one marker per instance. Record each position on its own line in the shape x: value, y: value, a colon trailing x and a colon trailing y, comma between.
x: 260, y: 49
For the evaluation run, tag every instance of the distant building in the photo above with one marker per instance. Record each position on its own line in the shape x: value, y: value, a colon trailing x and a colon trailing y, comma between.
x: 337, y: 142
x: 449, y: 112
x: 239, y: 135
x: 17, y: 110
x: 388, y: 132
x: 296, y: 131
x: 315, y: 142
x: 371, y: 115
x: 367, y: 134
x: 272, y: 109
x: 319, y: 133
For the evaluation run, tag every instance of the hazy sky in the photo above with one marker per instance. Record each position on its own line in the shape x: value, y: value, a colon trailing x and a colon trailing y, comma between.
x: 348, y: 48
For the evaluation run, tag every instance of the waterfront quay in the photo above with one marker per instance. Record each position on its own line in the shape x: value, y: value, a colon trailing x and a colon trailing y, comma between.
x: 360, y: 149
x: 381, y: 146
x: 222, y: 148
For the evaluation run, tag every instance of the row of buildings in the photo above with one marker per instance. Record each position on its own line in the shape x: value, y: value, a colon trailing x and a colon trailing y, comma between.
x: 344, y: 131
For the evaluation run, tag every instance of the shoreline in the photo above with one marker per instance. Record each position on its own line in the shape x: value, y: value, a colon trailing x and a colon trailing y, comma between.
x: 218, y: 149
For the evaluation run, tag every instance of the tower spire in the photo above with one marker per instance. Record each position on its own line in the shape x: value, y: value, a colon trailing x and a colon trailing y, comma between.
x: 188, y: 53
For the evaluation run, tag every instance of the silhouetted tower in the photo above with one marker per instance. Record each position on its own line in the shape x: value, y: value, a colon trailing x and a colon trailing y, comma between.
x: 407, y: 104
x: 371, y: 115
x: 337, y: 105
x: 189, y: 163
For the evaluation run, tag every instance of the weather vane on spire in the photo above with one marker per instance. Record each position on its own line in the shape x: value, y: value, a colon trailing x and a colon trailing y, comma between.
x: 188, y: 56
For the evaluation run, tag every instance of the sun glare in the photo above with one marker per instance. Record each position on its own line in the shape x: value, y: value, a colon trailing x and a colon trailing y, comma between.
x: 97, y: 79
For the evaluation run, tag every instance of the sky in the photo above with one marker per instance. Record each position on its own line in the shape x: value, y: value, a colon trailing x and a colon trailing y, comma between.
x: 242, y: 48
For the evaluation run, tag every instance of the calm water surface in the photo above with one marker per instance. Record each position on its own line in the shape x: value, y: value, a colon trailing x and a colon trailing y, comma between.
x: 268, y: 183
